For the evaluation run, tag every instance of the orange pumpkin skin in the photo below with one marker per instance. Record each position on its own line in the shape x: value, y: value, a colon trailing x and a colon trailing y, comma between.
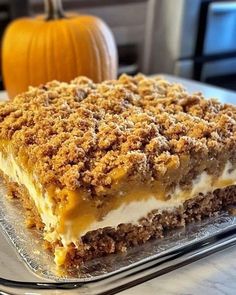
x: 36, y: 51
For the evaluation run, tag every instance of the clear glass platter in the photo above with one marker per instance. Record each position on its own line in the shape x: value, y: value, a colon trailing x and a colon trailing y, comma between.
x: 25, y: 265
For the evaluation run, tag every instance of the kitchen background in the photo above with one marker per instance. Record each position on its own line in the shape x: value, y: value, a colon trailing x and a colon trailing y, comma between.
x: 190, y: 38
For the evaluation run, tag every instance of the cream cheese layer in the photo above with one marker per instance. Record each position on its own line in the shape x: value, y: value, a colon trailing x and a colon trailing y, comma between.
x: 10, y: 167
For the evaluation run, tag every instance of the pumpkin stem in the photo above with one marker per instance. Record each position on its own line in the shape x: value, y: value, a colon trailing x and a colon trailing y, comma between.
x: 53, y: 9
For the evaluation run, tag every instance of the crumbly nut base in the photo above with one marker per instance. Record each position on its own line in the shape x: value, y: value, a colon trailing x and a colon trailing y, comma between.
x: 32, y: 217
x: 108, y: 240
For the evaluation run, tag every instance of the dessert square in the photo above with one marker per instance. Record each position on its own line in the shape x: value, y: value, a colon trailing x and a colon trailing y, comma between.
x: 103, y: 167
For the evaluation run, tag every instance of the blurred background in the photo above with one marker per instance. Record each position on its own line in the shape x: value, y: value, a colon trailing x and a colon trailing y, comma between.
x: 195, y: 39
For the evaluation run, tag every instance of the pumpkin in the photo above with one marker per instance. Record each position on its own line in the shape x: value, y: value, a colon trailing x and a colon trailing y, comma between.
x: 39, y: 49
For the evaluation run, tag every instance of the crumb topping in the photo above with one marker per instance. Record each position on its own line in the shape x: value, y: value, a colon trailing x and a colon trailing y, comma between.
x: 87, y: 135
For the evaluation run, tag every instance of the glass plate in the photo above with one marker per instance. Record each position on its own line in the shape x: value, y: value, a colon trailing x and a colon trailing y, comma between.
x: 25, y: 265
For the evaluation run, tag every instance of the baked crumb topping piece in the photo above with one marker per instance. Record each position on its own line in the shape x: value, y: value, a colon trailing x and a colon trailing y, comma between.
x: 82, y: 135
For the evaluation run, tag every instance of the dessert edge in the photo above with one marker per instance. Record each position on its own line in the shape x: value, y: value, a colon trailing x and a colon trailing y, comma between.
x: 180, y: 162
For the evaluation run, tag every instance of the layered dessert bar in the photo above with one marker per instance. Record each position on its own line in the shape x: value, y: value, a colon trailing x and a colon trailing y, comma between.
x: 104, y: 167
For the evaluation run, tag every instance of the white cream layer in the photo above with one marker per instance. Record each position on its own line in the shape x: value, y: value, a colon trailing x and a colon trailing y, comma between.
x: 132, y: 212
x: 42, y: 201
x: 126, y: 213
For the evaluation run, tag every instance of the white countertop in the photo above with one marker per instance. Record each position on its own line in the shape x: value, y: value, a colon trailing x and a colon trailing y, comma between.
x: 213, y: 275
